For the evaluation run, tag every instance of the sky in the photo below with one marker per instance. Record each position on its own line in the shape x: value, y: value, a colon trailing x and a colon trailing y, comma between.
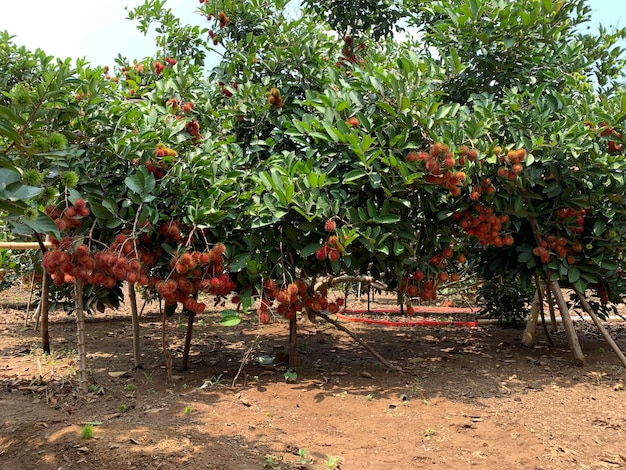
x: 98, y: 29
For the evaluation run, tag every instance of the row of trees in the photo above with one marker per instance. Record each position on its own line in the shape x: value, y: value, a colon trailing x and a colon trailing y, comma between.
x: 491, y: 139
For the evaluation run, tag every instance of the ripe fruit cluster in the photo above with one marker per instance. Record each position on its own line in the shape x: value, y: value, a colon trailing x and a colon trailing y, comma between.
x: 159, y: 169
x: 423, y: 284
x: 349, y: 52
x: 293, y: 298
x: 70, y: 217
x: 122, y: 261
x: 192, y: 272
x: 512, y: 162
x: 561, y: 247
x: 226, y: 91
x: 330, y: 249
x: 480, y: 221
x: 193, y: 129
x: 438, y: 162
x: 274, y: 98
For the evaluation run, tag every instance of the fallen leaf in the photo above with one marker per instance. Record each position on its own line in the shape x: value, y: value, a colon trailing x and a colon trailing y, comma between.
x: 118, y: 374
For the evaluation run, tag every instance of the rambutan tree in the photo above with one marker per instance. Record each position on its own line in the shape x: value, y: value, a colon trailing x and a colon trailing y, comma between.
x: 308, y: 156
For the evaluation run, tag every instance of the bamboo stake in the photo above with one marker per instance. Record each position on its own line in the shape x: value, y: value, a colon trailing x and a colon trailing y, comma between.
x: 529, y: 336
x: 23, y: 245
x: 600, y: 326
x: 568, y: 324
x: 541, y: 310
x: 44, y: 310
x: 132, y: 297
x: 552, y: 315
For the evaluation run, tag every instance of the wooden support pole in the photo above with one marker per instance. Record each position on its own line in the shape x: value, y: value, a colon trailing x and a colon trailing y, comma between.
x: 132, y: 298
x: 44, y: 311
x: 600, y: 326
x: 24, y: 245
x: 528, y: 339
x: 568, y: 324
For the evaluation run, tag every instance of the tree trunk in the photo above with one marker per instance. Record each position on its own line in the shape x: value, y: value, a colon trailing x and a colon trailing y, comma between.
x: 132, y: 297
x: 80, y: 334
x: 44, y: 309
x: 293, y: 342
x: 185, y: 361
x: 166, y: 352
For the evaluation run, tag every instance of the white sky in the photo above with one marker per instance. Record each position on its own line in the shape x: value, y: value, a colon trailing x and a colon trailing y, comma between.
x: 99, y: 30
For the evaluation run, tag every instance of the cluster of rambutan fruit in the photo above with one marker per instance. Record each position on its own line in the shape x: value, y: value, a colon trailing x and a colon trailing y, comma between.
x: 70, y: 261
x: 192, y: 272
x: 423, y: 284
x: 288, y: 300
x: 130, y: 258
x: 560, y: 246
x: 438, y: 162
x: 160, y: 167
x: 512, y: 162
x: 481, y: 222
x: 71, y: 217
x: 274, y: 98
x: 331, y: 248
x: 349, y: 52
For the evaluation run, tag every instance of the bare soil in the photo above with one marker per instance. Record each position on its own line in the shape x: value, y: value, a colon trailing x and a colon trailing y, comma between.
x: 464, y: 398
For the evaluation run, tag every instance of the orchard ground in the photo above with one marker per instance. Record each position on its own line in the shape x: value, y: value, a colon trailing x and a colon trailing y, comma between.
x: 465, y: 397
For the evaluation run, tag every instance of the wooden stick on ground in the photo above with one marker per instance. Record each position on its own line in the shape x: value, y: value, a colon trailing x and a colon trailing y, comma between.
x: 600, y: 326
x: 375, y: 353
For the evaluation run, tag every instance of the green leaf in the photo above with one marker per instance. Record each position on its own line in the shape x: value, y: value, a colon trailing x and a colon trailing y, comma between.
x: 354, y: 175
x: 309, y: 249
x: 230, y: 318
x: 573, y: 274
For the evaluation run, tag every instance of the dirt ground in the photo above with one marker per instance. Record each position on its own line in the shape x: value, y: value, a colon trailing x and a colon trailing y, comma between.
x: 465, y: 398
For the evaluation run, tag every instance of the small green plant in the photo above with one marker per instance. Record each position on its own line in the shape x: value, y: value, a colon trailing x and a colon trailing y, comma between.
x: 369, y: 397
x: 503, y: 300
x: 129, y: 387
x: 290, y: 376
x: 428, y: 433
x: 303, y: 456
x: 147, y: 378
x: 272, y: 462
x: 122, y: 408
x: 188, y: 410
x: 93, y: 388
x: 331, y: 463
x: 87, y: 432
x: 212, y: 382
